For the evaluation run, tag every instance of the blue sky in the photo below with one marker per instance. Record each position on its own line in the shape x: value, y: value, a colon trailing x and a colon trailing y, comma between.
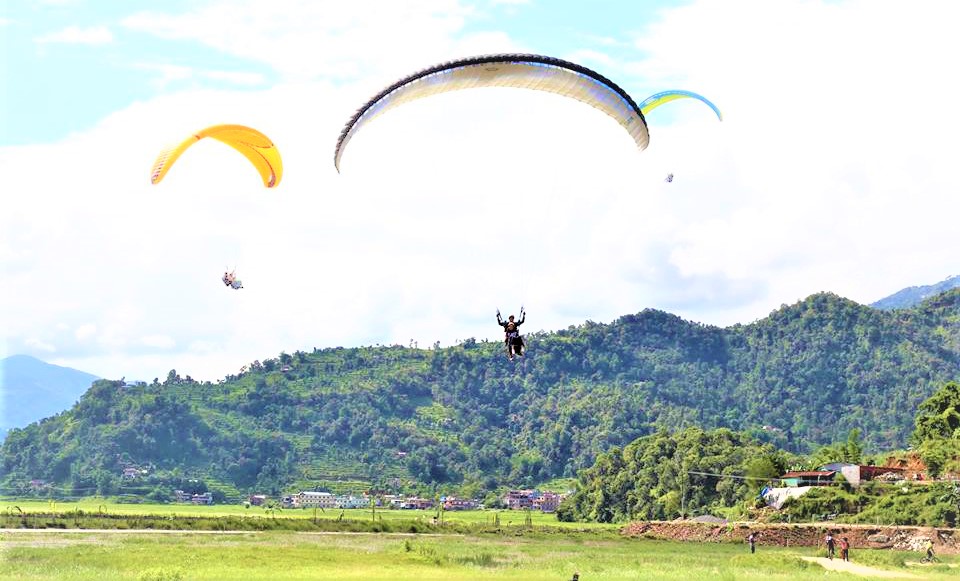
x: 77, y: 61
x: 68, y: 82
x: 821, y: 177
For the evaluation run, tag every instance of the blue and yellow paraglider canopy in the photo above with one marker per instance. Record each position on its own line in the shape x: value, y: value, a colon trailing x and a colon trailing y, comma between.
x: 524, y: 71
x: 654, y: 101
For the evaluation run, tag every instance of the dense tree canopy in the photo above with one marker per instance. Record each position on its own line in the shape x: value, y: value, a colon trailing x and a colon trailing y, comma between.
x: 463, y: 416
x: 937, y: 431
x: 668, y: 475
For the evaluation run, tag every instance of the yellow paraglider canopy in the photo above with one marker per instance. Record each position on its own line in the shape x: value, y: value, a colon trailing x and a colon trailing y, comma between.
x: 255, y: 146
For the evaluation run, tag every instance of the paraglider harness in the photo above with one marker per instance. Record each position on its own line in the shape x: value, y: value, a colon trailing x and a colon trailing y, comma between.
x: 512, y: 339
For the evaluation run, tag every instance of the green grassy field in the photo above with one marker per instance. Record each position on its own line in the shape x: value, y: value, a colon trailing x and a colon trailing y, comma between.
x: 80, y: 556
x: 470, y: 517
x: 513, y: 552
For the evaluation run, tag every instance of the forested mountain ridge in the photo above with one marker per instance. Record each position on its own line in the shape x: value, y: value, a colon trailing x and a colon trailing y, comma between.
x: 465, y: 416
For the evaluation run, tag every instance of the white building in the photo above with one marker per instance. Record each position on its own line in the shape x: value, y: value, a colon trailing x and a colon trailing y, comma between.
x: 353, y: 501
x: 309, y: 499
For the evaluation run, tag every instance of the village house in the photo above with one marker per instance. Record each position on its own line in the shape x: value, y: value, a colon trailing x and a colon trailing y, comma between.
x: 519, y: 499
x: 808, y: 478
x: 353, y: 501
x: 257, y: 499
x: 205, y: 498
x: 856, y: 475
x: 391, y: 501
x: 533, y: 500
x: 310, y: 499
x: 415, y: 503
x: 130, y: 473
x: 547, y: 502
x: 454, y: 503
x: 186, y: 497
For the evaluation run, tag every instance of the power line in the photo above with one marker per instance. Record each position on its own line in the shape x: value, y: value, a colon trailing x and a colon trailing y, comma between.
x: 734, y: 476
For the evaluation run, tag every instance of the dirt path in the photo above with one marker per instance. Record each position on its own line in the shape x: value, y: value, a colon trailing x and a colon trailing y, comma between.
x: 850, y: 567
x: 126, y: 531
x: 53, y: 532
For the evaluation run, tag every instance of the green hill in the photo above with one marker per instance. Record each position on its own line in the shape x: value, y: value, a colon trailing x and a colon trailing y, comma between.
x: 464, y: 416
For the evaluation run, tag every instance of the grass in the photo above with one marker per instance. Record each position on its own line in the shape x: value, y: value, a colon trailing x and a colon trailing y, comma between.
x: 471, y: 517
x: 29, y: 556
x: 549, y: 550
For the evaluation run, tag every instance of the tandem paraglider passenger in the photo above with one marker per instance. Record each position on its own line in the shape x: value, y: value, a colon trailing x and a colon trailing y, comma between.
x: 512, y: 338
x: 230, y: 279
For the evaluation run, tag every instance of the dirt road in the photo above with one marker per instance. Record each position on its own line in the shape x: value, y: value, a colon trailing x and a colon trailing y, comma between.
x: 863, y: 570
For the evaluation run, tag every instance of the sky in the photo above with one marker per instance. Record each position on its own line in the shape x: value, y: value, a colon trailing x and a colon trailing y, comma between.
x: 834, y: 169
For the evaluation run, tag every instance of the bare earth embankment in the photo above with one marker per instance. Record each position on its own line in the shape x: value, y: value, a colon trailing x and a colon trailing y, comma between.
x: 904, y: 538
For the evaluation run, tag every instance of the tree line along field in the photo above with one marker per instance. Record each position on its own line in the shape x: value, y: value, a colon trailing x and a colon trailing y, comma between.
x: 179, y: 556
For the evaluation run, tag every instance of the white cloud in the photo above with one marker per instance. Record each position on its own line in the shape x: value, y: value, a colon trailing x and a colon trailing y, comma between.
x: 590, y: 57
x: 78, y: 35
x: 170, y: 74
x: 834, y: 172
x: 820, y: 178
x: 39, y: 345
x: 305, y: 39
x: 159, y: 341
x: 84, y: 332
x: 235, y: 77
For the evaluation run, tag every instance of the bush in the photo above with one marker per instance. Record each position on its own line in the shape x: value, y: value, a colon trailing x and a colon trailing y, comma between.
x: 162, y: 574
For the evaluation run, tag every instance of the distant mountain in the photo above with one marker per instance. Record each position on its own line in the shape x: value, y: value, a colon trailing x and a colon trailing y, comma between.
x: 465, y: 416
x: 31, y: 390
x: 914, y: 295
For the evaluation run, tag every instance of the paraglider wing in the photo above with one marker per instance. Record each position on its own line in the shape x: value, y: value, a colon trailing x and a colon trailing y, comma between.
x: 525, y: 71
x: 654, y: 101
x: 254, y: 145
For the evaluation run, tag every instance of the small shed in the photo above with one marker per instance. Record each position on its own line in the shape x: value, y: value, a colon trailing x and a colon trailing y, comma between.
x: 808, y: 478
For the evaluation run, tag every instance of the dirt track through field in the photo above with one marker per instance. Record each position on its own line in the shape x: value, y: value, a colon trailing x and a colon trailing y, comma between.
x: 850, y: 567
x: 128, y: 531
x: 192, y: 532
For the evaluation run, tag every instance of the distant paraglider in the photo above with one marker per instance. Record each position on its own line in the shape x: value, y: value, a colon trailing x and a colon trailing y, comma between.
x: 654, y: 101
x: 524, y: 71
x: 254, y: 145
x: 669, y: 178
x: 230, y: 279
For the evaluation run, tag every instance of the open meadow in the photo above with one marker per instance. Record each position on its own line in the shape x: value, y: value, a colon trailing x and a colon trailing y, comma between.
x: 95, y: 506
x: 173, y: 556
